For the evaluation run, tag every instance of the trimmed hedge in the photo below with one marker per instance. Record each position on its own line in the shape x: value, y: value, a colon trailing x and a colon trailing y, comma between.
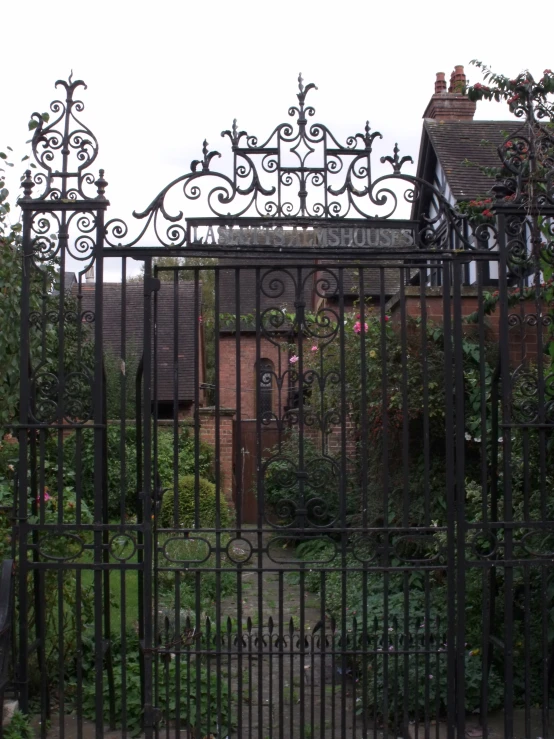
x: 187, y: 508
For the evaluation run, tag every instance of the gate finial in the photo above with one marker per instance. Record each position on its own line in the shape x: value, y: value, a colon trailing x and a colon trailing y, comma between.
x: 64, y: 147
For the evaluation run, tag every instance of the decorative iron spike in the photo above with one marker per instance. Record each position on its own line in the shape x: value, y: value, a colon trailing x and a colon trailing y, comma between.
x: 300, y: 82
x: 395, y: 161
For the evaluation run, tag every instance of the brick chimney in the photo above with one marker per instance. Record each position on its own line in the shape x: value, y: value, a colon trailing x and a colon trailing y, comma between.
x: 452, y: 105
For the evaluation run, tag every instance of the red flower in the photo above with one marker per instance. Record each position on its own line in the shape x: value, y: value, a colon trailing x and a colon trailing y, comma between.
x: 487, y: 213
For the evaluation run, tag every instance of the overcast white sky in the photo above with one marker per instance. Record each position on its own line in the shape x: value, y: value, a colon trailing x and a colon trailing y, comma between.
x: 162, y: 76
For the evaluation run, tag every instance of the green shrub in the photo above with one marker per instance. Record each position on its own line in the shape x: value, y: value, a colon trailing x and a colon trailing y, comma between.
x: 189, y: 502
x: 198, y: 712
x: 187, y: 463
x: 19, y: 727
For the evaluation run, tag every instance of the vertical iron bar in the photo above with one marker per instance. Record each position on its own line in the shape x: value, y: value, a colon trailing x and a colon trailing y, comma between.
x: 175, y: 491
x: 385, y: 484
x: 146, y: 492
x: 342, y: 505
x: 508, y: 532
x: 99, y: 478
x: 238, y: 484
x: 300, y: 318
x: 123, y: 488
x: 260, y: 501
x: 405, y: 501
x: 23, y: 470
x: 460, y: 494
x: 427, y: 493
x: 364, y: 451
x: 218, y: 492
x: 479, y: 266
x: 197, y: 522
x: 154, y: 606
x: 450, y: 505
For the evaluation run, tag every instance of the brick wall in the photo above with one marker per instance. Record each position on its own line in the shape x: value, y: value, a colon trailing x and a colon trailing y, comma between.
x: 208, y: 435
x: 228, y: 372
x: 523, y: 334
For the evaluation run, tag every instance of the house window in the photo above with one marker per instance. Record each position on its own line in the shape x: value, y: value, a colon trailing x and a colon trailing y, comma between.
x: 265, y: 380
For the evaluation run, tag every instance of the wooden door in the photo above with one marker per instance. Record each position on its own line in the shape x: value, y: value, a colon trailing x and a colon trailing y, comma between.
x: 245, y: 479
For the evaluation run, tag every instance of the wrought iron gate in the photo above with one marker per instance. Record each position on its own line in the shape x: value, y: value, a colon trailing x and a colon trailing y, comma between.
x: 398, y: 574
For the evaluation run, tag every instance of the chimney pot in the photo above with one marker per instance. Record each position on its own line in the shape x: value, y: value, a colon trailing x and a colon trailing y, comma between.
x: 457, y: 79
x: 452, y: 105
x: 440, y: 83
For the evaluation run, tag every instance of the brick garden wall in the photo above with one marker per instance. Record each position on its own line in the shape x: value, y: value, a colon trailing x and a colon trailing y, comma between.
x: 522, y: 333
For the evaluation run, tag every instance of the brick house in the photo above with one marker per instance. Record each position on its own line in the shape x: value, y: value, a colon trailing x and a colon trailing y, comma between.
x: 454, y: 150
x: 450, y: 139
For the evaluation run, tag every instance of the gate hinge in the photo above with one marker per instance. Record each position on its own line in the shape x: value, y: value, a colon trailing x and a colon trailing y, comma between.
x: 151, y: 285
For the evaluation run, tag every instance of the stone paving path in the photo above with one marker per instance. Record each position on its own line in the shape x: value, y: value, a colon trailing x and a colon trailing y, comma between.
x: 286, y: 683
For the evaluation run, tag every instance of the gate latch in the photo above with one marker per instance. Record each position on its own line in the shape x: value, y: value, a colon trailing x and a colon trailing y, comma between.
x: 151, y: 285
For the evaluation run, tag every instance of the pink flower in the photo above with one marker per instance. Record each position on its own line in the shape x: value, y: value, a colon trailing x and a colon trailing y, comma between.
x: 293, y: 359
x: 358, y: 327
x: 387, y: 318
x: 47, y: 496
x: 314, y: 348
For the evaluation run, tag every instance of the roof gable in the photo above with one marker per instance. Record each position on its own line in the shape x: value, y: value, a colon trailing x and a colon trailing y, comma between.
x: 455, y: 142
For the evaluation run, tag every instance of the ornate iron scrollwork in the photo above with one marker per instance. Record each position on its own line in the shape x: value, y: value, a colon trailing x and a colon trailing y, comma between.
x: 300, y: 171
x: 64, y: 148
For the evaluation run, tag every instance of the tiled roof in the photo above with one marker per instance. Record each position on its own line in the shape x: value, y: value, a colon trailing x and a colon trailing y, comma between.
x: 278, y: 287
x: 454, y: 142
x: 371, y: 282
x: 134, y: 304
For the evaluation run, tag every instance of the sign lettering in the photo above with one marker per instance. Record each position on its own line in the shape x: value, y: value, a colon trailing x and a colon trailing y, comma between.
x: 339, y: 236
